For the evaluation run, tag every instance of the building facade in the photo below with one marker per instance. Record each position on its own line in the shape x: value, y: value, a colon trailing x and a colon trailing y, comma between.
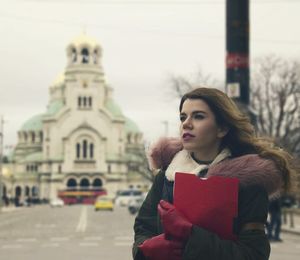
x: 82, y: 141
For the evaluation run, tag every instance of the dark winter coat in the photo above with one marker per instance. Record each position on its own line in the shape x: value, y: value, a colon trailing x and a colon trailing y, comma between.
x: 259, y: 179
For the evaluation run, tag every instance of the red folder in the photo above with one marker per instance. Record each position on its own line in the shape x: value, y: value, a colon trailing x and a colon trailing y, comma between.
x: 209, y: 203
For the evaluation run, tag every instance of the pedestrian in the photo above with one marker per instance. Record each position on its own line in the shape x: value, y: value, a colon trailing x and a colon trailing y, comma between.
x: 215, y: 140
x: 274, y: 225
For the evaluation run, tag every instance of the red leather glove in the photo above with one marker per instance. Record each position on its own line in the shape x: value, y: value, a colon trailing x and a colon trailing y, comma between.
x: 159, y: 248
x: 174, y: 224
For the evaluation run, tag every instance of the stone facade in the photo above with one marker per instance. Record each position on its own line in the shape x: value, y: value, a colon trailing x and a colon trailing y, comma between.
x: 83, y: 140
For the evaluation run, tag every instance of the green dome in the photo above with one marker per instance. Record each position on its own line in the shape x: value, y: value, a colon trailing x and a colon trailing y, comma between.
x: 34, y: 157
x: 113, y: 108
x: 54, y: 107
x: 35, y: 123
x: 131, y: 126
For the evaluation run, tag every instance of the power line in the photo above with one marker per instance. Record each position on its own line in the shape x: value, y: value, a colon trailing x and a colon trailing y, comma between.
x: 161, y: 2
x: 116, y: 28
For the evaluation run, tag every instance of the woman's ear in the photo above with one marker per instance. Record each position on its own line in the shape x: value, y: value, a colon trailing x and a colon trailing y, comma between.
x: 222, y: 131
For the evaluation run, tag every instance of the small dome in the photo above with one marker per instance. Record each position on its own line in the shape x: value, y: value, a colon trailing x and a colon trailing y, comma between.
x: 131, y: 126
x: 34, y: 157
x: 54, y: 107
x: 84, y: 50
x: 113, y: 108
x: 84, y: 40
x: 35, y: 123
x: 59, y: 80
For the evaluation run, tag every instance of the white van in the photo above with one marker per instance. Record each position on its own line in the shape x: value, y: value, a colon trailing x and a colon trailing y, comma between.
x: 124, y: 196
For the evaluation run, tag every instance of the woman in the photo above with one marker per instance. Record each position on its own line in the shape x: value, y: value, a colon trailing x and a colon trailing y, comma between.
x: 216, y: 140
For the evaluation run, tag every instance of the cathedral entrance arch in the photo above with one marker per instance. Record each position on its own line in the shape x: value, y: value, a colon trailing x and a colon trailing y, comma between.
x: 4, y: 191
x: 18, y: 191
x: 84, y: 183
x: 97, y: 183
x: 34, y: 191
x: 27, y: 191
x: 71, y: 183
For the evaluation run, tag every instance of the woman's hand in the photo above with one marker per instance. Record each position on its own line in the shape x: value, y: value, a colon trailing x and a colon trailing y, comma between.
x: 159, y: 248
x: 174, y: 224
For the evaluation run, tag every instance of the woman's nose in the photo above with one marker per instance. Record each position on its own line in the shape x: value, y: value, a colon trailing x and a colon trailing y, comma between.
x: 187, y: 124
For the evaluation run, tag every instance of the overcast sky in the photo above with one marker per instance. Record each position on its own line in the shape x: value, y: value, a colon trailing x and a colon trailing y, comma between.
x: 144, y: 42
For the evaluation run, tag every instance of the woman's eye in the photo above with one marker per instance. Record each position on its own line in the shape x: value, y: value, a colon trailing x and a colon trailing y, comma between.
x: 182, y: 118
x: 199, y: 116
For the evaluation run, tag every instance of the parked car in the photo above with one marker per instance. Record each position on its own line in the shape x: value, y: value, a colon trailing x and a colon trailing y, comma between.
x: 135, y: 203
x: 124, y: 196
x: 104, y: 202
x: 57, y: 202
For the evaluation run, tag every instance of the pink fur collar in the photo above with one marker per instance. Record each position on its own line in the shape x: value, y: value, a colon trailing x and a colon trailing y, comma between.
x: 250, y: 169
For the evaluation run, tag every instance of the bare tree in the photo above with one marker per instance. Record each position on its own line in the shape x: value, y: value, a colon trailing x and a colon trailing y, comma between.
x: 138, y: 162
x: 179, y: 85
x: 275, y: 99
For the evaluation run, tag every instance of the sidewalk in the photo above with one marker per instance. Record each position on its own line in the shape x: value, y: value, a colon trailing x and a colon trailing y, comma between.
x: 10, y: 209
x: 286, y: 227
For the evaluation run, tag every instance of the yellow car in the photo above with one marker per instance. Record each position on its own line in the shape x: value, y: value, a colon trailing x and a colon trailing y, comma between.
x: 104, y: 203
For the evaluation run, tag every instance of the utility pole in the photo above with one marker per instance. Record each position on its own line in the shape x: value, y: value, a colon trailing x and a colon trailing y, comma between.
x: 237, y: 55
x: 1, y: 159
x: 237, y: 50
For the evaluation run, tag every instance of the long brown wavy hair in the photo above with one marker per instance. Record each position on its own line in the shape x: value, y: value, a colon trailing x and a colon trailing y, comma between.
x: 241, y: 138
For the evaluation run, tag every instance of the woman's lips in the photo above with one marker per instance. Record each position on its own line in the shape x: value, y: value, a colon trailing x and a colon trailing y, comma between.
x: 187, y: 136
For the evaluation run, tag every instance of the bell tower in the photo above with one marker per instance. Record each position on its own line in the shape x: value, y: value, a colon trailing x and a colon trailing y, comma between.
x: 84, y: 50
x: 85, y: 84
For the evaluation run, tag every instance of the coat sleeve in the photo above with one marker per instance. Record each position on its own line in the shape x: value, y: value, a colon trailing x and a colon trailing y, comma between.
x: 250, y: 245
x: 146, y: 223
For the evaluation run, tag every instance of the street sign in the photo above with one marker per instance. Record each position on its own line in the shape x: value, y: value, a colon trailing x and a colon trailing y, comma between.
x: 233, y: 90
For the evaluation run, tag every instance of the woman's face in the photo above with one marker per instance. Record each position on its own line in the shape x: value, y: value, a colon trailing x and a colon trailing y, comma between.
x: 199, y: 130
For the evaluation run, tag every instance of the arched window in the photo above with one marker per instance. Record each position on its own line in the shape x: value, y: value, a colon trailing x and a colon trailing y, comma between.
x: 74, y: 55
x: 84, y: 101
x: 95, y: 56
x: 84, y: 148
x: 129, y: 138
x: 85, y: 55
x: 79, y: 101
x: 33, y: 137
x: 90, y: 101
x: 41, y: 136
x: 91, y: 150
x: 78, y: 150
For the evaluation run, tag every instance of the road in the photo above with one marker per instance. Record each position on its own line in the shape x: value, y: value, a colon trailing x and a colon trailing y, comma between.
x: 80, y: 233
x: 71, y: 232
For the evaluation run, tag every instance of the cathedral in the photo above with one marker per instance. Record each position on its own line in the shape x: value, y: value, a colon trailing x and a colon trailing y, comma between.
x: 82, y: 142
